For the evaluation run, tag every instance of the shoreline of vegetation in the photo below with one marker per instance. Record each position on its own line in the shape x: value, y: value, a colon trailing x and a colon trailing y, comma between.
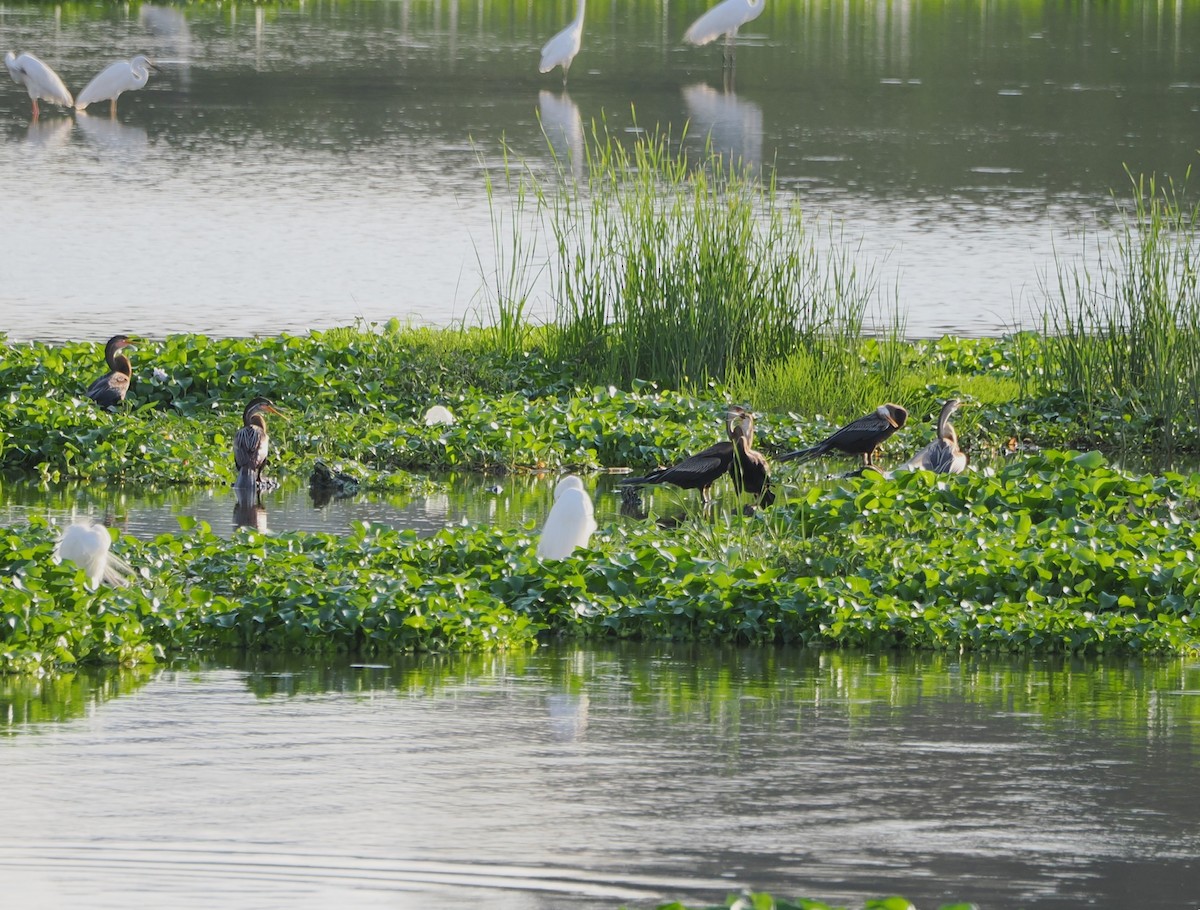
x: 695, y: 289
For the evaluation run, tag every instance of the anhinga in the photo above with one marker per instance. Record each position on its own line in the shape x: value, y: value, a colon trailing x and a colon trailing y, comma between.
x: 749, y: 470
x: 859, y: 437
x: 702, y: 470
x: 109, y: 390
x: 251, y: 445
x: 942, y: 456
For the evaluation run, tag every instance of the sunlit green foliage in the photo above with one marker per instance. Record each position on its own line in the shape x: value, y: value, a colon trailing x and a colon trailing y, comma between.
x: 1052, y: 553
x: 763, y: 901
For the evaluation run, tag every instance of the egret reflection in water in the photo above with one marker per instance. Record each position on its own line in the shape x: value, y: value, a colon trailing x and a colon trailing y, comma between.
x: 733, y: 126
x: 563, y: 126
x: 110, y: 134
x: 48, y: 134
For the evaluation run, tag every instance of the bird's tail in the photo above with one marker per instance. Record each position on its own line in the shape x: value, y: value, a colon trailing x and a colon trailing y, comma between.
x: 804, y: 454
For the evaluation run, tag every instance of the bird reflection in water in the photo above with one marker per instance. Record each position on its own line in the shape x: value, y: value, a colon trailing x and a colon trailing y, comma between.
x: 563, y: 127
x: 106, y: 133
x: 248, y: 510
x: 731, y: 125
x: 568, y: 716
x: 48, y: 134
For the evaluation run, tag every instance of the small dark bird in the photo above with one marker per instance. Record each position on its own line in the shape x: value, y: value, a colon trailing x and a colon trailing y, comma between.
x: 702, y: 470
x: 251, y: 445
x: 942, y: 456
x: 859, y: 437
x: 109, y: 390
x: 749, y: 470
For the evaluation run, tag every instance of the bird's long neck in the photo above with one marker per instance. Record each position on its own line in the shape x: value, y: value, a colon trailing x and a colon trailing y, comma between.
x: 582, y: 3
x: 120, y: 364
x: 257, y: 420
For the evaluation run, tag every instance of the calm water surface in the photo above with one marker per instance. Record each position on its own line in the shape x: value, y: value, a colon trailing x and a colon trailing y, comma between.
x: 301, y: 166
x: 592, y: 778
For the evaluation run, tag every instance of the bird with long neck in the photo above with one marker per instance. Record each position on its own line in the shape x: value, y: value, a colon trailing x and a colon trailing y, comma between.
x: 859, y: 437
x: 702, y: 470
x: 110, y: 389
x: 942, y: 456
x: 40, y: 81
x: 251, y: 444
x: 749, y: 469
x: 562, y: 48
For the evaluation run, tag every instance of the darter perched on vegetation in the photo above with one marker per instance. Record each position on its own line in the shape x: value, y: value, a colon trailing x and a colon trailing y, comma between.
x: 702, y: 470
x: 251, y: 445
x: 859, y: 437
x: 749, y: 470
x: 942, y: 456
x: 109, y: 390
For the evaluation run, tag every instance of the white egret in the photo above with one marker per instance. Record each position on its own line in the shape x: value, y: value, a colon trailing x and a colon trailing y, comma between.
x: 942, y: 456
x: 439, y: 416
x: 570, y: 523
x: 562, y: 48
x: 39, y: 80
x: 724, y: 19
x: 110, y: 82
x: 87, y: 543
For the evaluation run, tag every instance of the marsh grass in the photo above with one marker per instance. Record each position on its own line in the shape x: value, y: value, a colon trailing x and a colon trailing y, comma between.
x: 1123, y: 336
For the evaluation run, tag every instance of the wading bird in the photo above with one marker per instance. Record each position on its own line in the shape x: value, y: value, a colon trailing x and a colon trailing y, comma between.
x: 749, y: 470
x: 39, y: 80
x: 87, y: 543
x: 724, y: 19
x: 110, y: 389
x: 251, y: 445
x: 942, y: 456
x: 562, y: 48
x: 859, y: 437
x: 110, y: 82
x: 702, y: 470
x: 570, y: 523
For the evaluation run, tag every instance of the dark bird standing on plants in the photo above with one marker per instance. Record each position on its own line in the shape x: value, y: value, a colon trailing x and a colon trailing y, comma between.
x: 702, y: 470
x: 109, y: 390
x: 859, y: 437
x: 749, y: 470
x: 942, y: 456
x: 251, y: 445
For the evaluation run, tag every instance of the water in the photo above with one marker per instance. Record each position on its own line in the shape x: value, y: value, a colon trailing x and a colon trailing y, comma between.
x: 592, y: 778
x: 306, y: 165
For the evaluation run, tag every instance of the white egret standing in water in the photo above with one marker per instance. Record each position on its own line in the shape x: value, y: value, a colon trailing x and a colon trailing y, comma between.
x: 570, y: 523
x: 109, y: 83
x: 39, y: 80
x: 562, y: 48
x: 724, y: 19
x: 87, y: 543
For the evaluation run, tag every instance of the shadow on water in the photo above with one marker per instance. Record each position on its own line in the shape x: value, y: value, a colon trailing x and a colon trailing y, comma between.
x: 592, y: 777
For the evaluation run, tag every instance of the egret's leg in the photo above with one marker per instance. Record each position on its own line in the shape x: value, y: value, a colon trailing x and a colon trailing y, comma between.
x: 112, y: 109
x: 35, y: 108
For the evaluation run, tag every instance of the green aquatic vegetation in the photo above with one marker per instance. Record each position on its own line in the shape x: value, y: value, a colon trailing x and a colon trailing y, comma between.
x: 1053, y: 554
x: 763, y: 901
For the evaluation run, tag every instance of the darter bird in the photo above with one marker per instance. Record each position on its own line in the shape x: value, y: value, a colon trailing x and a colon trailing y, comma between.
x: 942, y: 456
x: 859, y: 437
x: 109, y: 390
x: 251, y: 445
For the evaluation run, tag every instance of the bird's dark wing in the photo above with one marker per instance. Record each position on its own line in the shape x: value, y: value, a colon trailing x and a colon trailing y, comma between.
x: 694, y: 472
x: 750, y: 472
x: 109, y: 390
x: 249, y: 448
x: 855, y: 436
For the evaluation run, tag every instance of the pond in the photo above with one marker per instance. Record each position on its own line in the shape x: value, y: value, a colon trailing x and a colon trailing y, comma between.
x: 592, y: 778
x: 303, y: 165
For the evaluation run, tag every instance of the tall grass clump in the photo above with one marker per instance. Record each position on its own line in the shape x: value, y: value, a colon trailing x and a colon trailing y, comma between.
x: 687, y: 269
x: 1124, y: 338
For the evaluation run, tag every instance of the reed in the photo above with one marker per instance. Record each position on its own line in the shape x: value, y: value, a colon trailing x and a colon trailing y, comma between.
x: 1122, y: 337
x: 686, y: 269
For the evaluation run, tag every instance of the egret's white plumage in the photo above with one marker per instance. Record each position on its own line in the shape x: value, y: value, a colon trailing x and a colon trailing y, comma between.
x: 87, y: 543
x: 570, y: 523
x: 110, y: 82
x: 439, y: 416
x: 562, y: 48
x: 723, y: 19
x: 39, y: 80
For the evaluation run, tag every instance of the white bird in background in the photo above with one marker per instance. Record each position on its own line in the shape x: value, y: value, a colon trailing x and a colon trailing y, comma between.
x: 570, y: 523
x: 86, y: 543
x: 39, y: 80
x: 439, y: 416
x: 110, y: 82
x: 562, y: 48
x: 724, y: 19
